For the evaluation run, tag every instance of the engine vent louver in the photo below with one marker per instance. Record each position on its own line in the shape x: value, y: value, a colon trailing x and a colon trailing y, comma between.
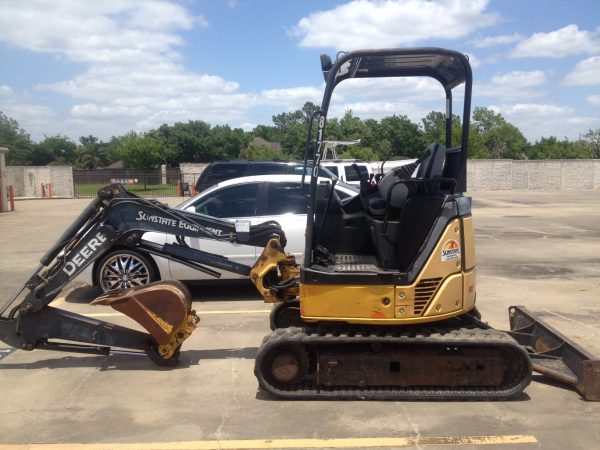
x: 424, y: 292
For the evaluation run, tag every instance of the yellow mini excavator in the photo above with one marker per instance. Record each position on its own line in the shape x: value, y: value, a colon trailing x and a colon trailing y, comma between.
x: 383, y: 306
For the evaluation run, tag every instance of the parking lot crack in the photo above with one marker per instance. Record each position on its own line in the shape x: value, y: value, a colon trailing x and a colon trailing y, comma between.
x: 414, y: 426
x: 230, y: 407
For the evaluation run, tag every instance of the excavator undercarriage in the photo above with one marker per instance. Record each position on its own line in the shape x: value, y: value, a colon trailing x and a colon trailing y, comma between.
x: 382, y: 307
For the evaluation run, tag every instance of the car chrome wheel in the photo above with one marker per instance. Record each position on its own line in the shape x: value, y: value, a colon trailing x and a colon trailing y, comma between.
x: 124, y: 270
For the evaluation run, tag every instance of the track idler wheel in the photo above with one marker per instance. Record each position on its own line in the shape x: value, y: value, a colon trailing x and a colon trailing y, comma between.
x: 287, y: 366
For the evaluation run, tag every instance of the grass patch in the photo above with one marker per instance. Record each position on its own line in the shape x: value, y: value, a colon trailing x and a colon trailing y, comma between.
x: 152, y: 190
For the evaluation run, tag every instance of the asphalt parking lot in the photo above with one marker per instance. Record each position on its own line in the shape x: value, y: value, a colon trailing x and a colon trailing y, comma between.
x: 539, y: 249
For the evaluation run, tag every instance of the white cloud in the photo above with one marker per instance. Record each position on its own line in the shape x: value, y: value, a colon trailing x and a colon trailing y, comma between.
x: 586, y: 72
x: 6, y: 92
x: 386, y: 23
x: 291, y: 96
x: 96, y: 32
x: 160, y: 15
x: 538, y: 120
x: 513, y: 85
x: 536, y: 109
x: 492, y: 41
x: 380, y: 109
x: 569, y: 40
x: 132, y: 77
x: 473, y: 60
x: 412, y: 89
x: 593, y: 100
x: 29, y: 115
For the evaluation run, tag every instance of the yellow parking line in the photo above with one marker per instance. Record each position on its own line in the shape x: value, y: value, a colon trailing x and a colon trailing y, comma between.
x: 290, y: 443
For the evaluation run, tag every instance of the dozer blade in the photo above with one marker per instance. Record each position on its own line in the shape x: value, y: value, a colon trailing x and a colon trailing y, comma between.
x: 163, y: 308
x: 555, y: 355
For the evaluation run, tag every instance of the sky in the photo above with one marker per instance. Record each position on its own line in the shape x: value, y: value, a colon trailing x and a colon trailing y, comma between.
x: 81, y: 67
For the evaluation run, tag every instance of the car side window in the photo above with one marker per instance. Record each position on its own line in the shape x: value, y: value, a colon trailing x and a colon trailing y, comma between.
x: 333, y: 169
x: 266, y: 169
x: 351, y: 174
x: 285, y: 198
x: 216, y: 173
x: 229, y: 202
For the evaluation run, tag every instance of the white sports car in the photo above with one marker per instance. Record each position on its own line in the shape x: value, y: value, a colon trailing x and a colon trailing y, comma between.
x: 258, y: 199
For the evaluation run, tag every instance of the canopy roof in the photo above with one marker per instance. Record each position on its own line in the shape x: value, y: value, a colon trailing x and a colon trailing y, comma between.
x: 449, y: 67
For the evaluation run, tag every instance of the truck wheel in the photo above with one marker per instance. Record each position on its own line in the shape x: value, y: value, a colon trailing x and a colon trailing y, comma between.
x: 124, y: 269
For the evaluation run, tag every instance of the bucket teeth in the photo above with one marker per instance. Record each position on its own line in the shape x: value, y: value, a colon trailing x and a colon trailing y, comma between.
x: 163, y: 308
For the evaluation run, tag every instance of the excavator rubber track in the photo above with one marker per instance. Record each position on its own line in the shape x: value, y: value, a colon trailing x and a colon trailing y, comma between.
x: 371, y: 363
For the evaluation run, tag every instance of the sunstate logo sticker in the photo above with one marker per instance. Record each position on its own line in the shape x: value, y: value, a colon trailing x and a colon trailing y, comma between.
x: 450, y: 250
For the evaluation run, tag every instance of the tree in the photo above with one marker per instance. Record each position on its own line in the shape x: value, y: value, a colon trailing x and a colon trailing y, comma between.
x: 593, y: 138
x: 358, y: 152
x: 142, y: 151
x: 254, y: 151
x: 434, y: 128
x: 553, y: 148
x: 91, y: 153
x: 17, y: 140
x: 477, y: 147
x: 404, y: 136
x: 502, y: 139
x: 226, y: 143
x: 291, y: 129
x: 55, y: 150
x: 187, y: 142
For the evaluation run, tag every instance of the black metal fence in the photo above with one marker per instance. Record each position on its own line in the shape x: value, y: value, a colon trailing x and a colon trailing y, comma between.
x: 153, y: 183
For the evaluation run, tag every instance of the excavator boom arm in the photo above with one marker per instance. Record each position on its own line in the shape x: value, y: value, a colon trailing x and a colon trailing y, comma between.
x: 117, y: 217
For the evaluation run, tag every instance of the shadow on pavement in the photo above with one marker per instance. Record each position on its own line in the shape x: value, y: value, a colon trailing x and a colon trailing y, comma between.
x: 241, y: 290
x: 140, y: 361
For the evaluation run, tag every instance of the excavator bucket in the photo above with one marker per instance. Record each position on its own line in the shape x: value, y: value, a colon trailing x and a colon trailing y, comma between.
x: 555, y: 355
x: 163, y: 308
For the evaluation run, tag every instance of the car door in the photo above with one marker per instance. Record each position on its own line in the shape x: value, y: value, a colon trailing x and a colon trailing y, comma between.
x: 285, y: 204
x: 237, y: 202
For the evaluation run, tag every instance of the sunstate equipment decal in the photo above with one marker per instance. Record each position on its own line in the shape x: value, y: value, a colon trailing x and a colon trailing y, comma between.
x: 450, y: 250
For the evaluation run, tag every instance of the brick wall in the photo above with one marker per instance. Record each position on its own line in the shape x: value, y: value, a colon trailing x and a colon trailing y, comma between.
x: 27, y: 180
x: 546, y: 175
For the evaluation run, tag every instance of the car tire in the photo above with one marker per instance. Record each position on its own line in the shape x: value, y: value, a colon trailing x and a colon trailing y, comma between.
x: 123, y: 269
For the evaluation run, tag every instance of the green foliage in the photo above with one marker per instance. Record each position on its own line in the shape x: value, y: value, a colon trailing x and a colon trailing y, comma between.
x: 290, y: 130
x: 142, y: 151
x: 502, y: 139
x: 404, y: 136
x: 16, y: 140
x: 477, y: 147
x: 393, y: 137
x: 54, y: 150
x: 553, y: 148
x: 359, y: 152
x: 91, y: 153
x: 254, y: 151
x: 592, y: 138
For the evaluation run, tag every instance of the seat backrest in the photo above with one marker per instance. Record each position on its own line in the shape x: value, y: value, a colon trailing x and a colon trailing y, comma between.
x: 433, y: 165
x: 428, y: 167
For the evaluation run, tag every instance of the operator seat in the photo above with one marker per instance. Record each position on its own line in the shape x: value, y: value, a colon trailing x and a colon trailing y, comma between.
x: 403, y: 210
